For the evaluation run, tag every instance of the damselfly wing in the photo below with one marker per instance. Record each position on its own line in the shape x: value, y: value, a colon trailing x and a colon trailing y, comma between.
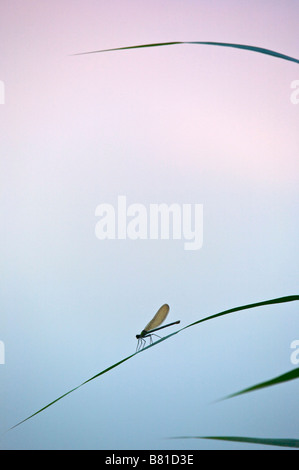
x: 158, y: 318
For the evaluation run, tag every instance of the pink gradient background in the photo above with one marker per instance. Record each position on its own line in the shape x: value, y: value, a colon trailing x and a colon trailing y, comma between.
x: 185, y: 124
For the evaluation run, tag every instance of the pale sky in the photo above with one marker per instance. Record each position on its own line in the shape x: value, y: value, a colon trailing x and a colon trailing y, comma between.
x: 182, y: 124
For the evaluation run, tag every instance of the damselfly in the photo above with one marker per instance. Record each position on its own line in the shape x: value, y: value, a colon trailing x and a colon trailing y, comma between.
x: 154, y: 325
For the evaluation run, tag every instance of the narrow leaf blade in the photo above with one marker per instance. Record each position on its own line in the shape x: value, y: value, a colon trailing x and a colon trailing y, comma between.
x: 290, y: 298
x: 291, y: 375
x: 260, y: 50
x: 294, y: 443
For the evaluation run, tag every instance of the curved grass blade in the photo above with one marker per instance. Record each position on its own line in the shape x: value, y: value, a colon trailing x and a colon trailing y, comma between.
x: 294, y: 443
x: 75, y: 388
x: 279, y: 300
x: 94, y: 377
x: 291, y: 375
x: 257, y: 49
x: 290, y: 298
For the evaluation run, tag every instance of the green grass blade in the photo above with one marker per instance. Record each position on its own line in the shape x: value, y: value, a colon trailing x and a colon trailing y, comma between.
x: 294, y: 443
x: 291, y: 375
x: 279, y: 300
x: 290, y: 298
x: 157, y: 44
x: 73, y: 389
x: 45, y: 407
x: 260, y: 50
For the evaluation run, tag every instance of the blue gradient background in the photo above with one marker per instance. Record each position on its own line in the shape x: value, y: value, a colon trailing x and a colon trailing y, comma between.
x: 185, y: 124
